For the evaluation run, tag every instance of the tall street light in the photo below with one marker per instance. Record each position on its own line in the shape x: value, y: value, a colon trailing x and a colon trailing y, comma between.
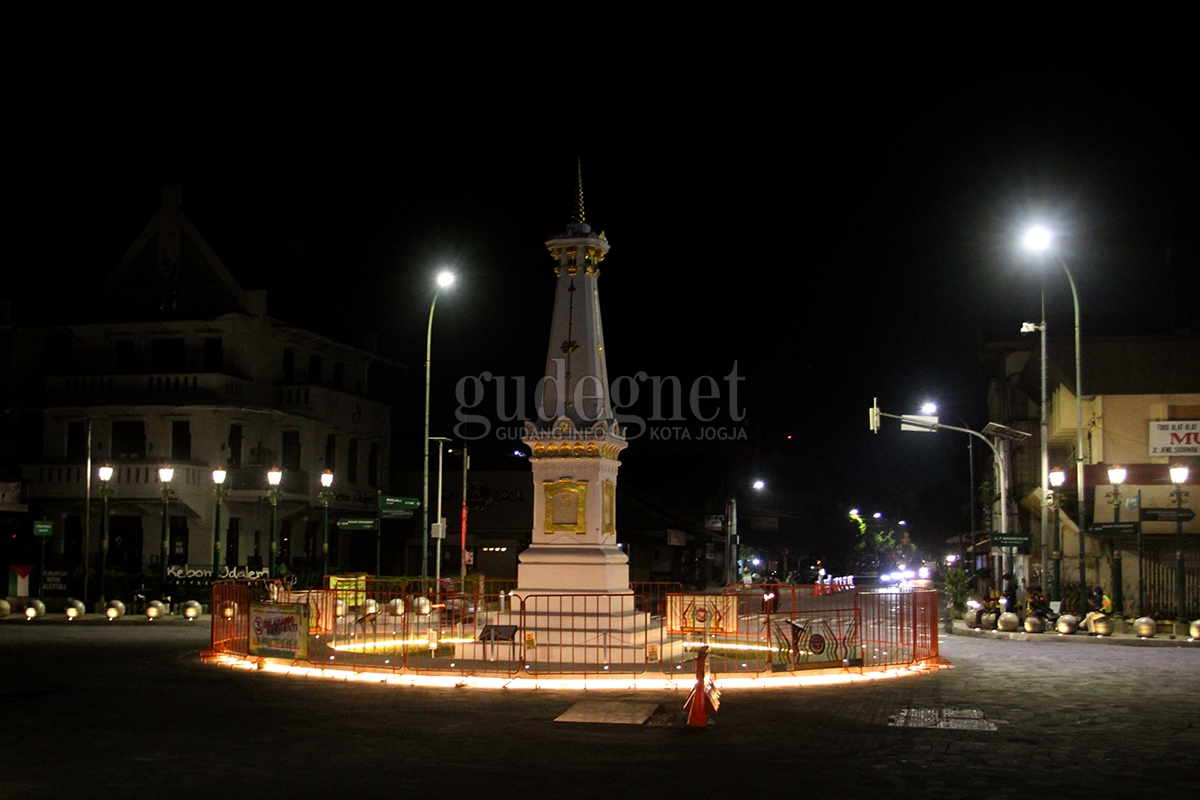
x: 106, y: 473
x: 274, y: 476
x: 325, y: 496
x: 219, y: 495
x: 1038, y: 239
x: 931, y: 408
x: 165, y: 474
x: 1116, y: 476
x: 1179, y: 476
x: 444, y: 279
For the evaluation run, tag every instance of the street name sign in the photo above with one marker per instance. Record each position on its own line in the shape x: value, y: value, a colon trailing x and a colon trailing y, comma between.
x: 1168, y: 515
x: 43, y: 529
x: 1010, y: 540
x: 356, y: 524
x: 397, y: 507
x: 1114, y: 528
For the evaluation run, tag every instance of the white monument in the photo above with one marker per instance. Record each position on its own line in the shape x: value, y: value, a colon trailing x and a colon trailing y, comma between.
x: 575, y: 442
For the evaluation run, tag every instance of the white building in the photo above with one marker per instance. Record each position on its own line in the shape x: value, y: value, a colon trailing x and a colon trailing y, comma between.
x: 190, y: 372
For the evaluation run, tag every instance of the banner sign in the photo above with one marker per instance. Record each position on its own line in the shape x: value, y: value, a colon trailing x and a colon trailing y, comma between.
x: 690, y: 613
x: 1176, y: 438
x: 279, y: 630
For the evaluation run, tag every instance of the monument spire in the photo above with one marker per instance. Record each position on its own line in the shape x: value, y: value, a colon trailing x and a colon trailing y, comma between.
x: 575, y: 442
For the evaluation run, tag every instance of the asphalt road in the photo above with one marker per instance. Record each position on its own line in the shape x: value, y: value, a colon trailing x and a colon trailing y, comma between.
x: 130, y: 712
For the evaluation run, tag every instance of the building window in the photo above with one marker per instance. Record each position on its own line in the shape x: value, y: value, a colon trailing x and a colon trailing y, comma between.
x: 233, y: 538
x: 126, y: 357
x: 178, y: 536
x: 373, y: 465
x: 128, y: 440
x: 214, y: 355
x: 331, y: 452
x: 291, y: 450
x: 235, y: 445
x: 289, y: 364
x: 315, y: 368
x: 181, y: 440
x: 352, y: 462
x: 167, y: 355
x: 76, y: 440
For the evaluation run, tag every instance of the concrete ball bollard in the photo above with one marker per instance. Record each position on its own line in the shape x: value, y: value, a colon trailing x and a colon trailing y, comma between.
x: 1102, y: 626
x: 5, y: 608
x: 114, y: 609
x: 1067, y: 624
x: 155, y: 609
x: 1194, y: 629
x: 1008, y: 622
x: 340, y: 607
x: 420, y: 605
x: 988, y: 622
x: 192, y: 609
x: 1035, y: 624
x: 1145, y: 627
x: 34, y: 609
x: 370, y: 607
x: 395, y: 607
x: 73, y: 608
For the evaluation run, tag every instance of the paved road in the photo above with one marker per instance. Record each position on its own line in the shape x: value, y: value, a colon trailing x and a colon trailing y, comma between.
x: 129, y: 712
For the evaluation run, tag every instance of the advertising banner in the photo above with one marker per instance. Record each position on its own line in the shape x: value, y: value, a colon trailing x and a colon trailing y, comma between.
x: 692, y: 613
x: 1176, y: 438
x: 279, y: 630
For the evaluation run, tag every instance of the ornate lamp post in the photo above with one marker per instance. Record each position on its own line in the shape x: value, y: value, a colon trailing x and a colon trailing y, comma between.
x: 219, y: 495
x: 444, y: 279
x: 165, y: 474
x: 1057, y: 479
x: 325, y: 496
x: 1179, y: 475
x: 1116, y: 476
x: 106, y: 473
x: 274, y: 476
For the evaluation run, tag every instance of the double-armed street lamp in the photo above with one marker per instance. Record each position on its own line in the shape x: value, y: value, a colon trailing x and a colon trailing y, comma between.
x: 219, y: 495
x: 326, y: 496
x: 165, y: 475
x: 444, y: 279
x: 105, y: 473
x: 274, y: 476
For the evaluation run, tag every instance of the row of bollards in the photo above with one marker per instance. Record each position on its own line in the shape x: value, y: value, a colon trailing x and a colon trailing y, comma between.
x: 74, y: 609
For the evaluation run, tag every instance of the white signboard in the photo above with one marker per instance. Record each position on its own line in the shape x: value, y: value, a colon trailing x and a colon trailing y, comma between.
x: 1175, y: 438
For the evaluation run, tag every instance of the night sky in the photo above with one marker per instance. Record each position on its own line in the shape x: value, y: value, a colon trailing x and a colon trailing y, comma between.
x: 838, y: 238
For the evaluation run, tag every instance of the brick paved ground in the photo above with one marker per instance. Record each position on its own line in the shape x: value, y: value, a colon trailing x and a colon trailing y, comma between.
x: 127, y: 711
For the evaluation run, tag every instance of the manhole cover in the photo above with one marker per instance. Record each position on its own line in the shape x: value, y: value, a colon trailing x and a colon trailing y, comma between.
x: 612, y: 712
x: 960, y: 719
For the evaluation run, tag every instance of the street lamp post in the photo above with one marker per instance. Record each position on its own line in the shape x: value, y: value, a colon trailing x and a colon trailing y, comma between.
x: 1038, y: 239
x: 106, y: 473
x: 439, y: 527
x: 219, y: 495
x: 1116, y: 476
x: 325, y: 496
x: 274, y: 476
x: 462, y: 553
x: 444, y: 279
x: 1057, y: 479
x: 1179, y: 475
x: 165, y: 474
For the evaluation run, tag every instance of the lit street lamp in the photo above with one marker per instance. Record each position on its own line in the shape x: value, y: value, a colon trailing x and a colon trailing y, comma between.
x: 274, y: 476
x: 1116, y: 476
x: 444, y: 279
x: 219, y: 495
x: 1057, y: 479
x: 165, y: 474
x: 1179, y: 475
x: 325, y: 496
x: 106, y: 473
x: 1038, y: 239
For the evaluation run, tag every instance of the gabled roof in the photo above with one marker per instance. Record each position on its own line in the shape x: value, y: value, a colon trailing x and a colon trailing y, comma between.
x: 172, y: 259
